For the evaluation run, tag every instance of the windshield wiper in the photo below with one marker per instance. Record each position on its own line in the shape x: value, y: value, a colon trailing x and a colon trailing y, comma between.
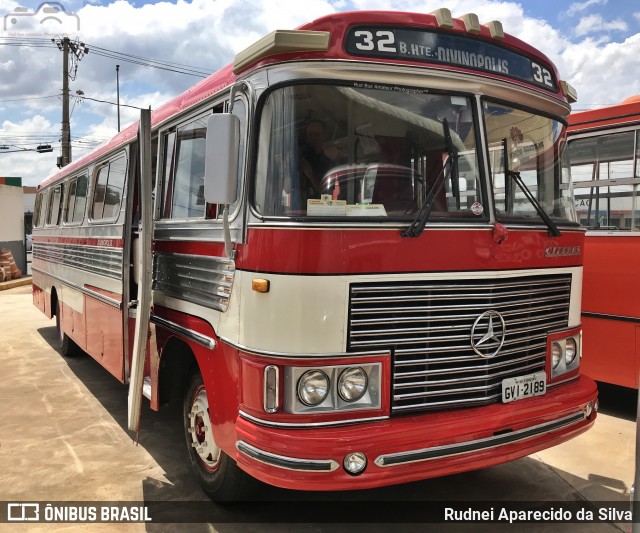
x: 515, y: 176
x: 416, y: 227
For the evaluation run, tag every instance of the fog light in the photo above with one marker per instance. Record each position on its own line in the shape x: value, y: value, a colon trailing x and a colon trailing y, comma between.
x: 355, y: 463
x: 352, y: 384
x: 556, y: 354
x: 571, y: 350
x: 313, y: 387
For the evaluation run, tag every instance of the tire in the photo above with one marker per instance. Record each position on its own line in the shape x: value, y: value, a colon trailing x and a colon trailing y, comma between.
x: 64, y: 344
x: 217, y: 473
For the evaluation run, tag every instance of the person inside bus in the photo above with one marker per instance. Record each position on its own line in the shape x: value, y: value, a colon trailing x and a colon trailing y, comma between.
x: 314, y: 162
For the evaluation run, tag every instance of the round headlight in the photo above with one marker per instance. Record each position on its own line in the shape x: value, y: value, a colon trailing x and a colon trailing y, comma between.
x: 556, y: 354
x: 352, y: 384
x: 571, y: 351
x: 313, y: 387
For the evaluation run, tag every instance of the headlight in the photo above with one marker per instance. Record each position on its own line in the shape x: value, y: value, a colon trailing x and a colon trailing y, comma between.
x: 556, y: 354
x: 313, y: 387
x: 352, y: 384
x: 571, y: 350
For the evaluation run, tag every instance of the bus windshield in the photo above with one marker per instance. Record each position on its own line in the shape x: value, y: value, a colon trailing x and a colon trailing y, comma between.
x: 526, y: 155
x: 365, y: 151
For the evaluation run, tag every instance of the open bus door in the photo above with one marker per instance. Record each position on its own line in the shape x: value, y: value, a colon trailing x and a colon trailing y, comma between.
x: 144, y: 274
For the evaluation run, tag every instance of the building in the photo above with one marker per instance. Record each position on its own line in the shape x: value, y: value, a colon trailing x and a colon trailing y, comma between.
x: 12, y: 229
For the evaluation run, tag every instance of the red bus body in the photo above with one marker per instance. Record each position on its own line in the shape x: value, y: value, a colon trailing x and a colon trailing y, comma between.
x: 610, y: 311
x: 417, y: 323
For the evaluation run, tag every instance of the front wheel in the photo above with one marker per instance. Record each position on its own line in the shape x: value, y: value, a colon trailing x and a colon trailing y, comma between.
x: 217, y: 473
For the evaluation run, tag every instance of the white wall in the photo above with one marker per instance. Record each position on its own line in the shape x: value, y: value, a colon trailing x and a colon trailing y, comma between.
x: 12, y: 210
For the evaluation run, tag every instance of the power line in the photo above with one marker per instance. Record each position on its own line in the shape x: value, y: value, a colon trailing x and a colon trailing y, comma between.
x: 179, y: 68
x: 30, y: 98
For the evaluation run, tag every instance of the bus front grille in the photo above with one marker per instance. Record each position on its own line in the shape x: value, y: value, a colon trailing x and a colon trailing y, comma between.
x: 427, y: 326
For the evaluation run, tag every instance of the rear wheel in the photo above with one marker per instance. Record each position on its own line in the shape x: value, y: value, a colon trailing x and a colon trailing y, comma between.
x: 64, y: 344
x: 217, y: 473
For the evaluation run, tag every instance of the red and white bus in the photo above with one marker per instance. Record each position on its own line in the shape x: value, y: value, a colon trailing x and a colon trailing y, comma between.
x: 605, y: 165
x: 367, y: 266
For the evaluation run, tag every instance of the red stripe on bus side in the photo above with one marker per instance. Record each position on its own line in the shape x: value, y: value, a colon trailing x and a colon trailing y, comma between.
x: 372, y: 251
x: 86, y: 241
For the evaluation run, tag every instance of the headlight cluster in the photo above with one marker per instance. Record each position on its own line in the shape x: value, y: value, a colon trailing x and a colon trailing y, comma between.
x: 565, y: 355
x: 332, y: 388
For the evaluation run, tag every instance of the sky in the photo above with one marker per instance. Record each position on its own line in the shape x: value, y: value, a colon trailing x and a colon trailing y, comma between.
x: 594, y: 43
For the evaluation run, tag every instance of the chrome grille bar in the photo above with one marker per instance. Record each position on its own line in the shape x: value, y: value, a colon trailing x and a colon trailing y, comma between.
x: 427, y: 326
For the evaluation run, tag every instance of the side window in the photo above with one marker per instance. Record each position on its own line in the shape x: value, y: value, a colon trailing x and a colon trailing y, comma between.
x: 109, y: 188
x: 38, y: 211
x: 54, y: 206
x: 76, y: 200
x: 81, y: 198
x: 184, y: 172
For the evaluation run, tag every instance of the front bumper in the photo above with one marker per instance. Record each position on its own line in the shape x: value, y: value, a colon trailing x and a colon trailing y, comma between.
x: 409, y: 448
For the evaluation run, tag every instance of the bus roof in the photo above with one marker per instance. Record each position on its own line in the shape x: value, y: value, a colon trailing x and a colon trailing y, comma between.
x: 337, y: 24
x: 623, y: 114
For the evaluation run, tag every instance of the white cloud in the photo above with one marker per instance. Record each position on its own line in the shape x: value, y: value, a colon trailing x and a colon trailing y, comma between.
x: 578, y: 7
x: 595, y: 23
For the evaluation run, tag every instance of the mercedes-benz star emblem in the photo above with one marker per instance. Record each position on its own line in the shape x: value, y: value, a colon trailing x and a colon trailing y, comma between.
x: 487, y: 334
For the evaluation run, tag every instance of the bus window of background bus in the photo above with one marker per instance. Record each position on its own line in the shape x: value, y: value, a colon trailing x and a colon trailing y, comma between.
x: 54, y: 206
x: 382, y: 149
x: 109, y: 187
x: 76, y: 200
x: 531, y: 145
x: 594, y: 162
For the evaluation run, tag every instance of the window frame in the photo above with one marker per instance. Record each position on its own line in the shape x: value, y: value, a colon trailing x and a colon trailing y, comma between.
x: 50, y: 199
x: 482, y: 190
x: 74, y: 180
x: 93, y: 187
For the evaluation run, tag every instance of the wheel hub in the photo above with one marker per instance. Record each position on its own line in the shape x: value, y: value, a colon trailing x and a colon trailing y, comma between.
x: 201, y: 431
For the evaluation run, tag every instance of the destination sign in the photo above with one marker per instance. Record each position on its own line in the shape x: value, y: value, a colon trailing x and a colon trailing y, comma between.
x: 432, y: 47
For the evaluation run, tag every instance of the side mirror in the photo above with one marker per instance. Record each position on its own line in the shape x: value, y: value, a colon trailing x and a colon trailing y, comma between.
x: 221, y: 161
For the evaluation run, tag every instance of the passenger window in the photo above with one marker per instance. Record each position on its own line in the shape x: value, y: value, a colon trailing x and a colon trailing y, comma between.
x: 184, y: 190
x: 109, y: 188
x: 76, y: 200
x: 38, y: 211
x: 54, y: 206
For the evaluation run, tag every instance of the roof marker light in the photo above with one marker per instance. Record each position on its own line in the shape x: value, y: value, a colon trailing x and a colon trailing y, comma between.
x: 495, y: 29
x: 443, y: 17
x: 471, y: 22
x: 281, y: 42
x: 569, y: 91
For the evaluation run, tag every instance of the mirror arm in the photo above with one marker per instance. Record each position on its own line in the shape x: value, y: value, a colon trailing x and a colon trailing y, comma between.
x: 228, y: 245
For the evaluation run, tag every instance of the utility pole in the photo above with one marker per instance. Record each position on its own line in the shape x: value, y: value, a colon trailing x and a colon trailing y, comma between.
x: 78, y: 50
x: 118, y: 92
x: 66, y: 126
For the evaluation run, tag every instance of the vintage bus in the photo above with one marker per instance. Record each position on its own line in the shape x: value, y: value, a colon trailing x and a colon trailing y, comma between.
x: 421, y: 319
x: 605, y: 164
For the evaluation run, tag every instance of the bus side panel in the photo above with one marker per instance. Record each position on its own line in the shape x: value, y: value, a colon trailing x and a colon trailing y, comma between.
x: 72, y: 315
x: 610, y: 275
x: 37, y: 292
x: 609, y: 351
x: 104, y: 335
x: 611, y: 308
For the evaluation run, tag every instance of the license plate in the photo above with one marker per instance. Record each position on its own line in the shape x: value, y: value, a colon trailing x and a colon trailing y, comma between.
x: 524, y: 387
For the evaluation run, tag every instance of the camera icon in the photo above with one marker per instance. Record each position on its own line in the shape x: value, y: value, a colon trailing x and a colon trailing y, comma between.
x: 48, y: 17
